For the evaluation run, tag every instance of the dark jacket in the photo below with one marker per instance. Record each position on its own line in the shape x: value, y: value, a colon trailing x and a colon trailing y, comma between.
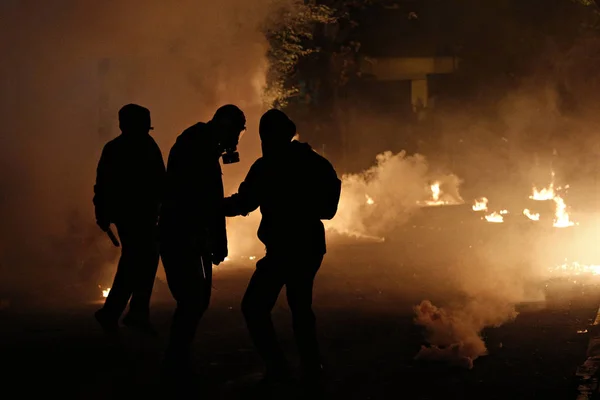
x: 287, y: 187
x: 129, y: 180
x: 193, y: 201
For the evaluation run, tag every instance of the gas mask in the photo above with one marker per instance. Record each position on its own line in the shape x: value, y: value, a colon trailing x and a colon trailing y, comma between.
x: 230, y: 154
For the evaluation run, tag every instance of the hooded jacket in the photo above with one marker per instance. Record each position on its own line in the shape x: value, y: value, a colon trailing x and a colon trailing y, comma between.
x: 193, y: 199
x: 287, y: 187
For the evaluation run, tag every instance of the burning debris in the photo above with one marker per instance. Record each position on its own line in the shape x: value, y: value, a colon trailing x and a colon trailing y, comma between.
x: 495, y: 217
x: 561, y: 216
x: 550, y: 193
x: 530, y: 215
x: 480, y: 204
x: 105, y: 292
x: 439, y: 198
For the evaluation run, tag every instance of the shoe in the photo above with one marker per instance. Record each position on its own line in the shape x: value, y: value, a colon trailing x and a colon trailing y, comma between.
x: 142, y: 325
x: 108, y: 323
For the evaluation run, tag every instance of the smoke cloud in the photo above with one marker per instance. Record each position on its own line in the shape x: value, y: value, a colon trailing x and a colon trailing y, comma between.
x: 68, y: 66
x: 385, y: 196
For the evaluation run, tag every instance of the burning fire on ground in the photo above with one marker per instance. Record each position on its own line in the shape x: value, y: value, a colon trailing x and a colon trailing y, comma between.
x: 562, y: 218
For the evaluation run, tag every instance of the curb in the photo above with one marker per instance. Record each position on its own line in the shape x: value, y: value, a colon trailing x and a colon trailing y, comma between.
x: 588, y: 373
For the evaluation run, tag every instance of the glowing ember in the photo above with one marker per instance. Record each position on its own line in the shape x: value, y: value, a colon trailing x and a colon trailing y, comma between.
x: 105, y: 292
x: 495, y: 217
x: 370, y: 201
x: 530, y: 215
x: 480, y: 204
x: 503, y: 212
x: 252, y: 258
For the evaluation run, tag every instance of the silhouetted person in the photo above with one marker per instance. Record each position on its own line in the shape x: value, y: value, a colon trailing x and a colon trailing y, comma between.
x: 128, y: 193
x: 295, y: 189
x: 192, y: 223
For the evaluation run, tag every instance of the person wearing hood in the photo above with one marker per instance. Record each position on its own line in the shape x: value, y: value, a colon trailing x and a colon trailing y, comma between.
x: 192, y: 224
x: 127, y: 193
x: 295, y: 189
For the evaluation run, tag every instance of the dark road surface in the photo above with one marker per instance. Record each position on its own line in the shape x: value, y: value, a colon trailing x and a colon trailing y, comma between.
x: 369, y: 340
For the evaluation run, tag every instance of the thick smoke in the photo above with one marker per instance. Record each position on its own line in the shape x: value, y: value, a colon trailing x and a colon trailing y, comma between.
x: 473, y: 273
x: 387, y: 194
x: 67, y: 68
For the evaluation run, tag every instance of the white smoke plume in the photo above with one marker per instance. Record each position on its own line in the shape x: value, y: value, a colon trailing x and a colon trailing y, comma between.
x: 455, y: 332
x: 385, y: 196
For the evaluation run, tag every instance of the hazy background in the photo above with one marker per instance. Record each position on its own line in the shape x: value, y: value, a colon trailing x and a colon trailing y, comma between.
x: 68, y: 66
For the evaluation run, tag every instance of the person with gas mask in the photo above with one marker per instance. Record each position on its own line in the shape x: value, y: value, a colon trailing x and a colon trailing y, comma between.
x: 296, y: 189
x: 127, y: 193
x: 192, y: 224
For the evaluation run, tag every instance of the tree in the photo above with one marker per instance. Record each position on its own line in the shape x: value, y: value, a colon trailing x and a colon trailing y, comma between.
x: 314, y: 32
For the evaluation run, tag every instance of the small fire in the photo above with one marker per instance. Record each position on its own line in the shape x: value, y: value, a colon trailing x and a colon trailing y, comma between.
x: 561, y: 216
x: 480, y: 204
x: 105, y: 292
x: 435, y: 191
x: 370, y: 201
x: 530, y: 215
x: 495, y: 217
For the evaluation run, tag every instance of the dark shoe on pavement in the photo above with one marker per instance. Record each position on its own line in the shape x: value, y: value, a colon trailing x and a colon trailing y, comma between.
x: 108, y: 323
x: 142, y: 325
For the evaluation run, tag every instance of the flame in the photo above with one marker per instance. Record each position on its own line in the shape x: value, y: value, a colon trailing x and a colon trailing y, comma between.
x: 105, y: 292
x: 495, y: 217
x: 480, y: 204
x: 561, y: 216
x: 370, y: 201
x: 436, y: 194
x: 530, y: 215
x: 435, y: 191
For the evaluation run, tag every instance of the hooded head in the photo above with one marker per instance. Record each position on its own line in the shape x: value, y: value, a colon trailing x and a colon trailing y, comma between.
x: 276, y: 131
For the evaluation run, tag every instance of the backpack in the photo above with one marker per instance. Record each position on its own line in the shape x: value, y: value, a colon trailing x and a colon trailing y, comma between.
x: 328, y: 187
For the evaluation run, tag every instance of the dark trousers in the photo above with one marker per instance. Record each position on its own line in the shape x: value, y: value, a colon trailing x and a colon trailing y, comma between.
x: 189, y: 276
x: 297, y: 274
x: 136, y: 271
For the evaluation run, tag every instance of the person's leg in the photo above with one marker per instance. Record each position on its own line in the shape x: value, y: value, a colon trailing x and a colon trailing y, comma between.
x: 259, y: 299
x: 300, y: 275
x: 147, y: 258
x: 122, y: 286
x: 191, y: 289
